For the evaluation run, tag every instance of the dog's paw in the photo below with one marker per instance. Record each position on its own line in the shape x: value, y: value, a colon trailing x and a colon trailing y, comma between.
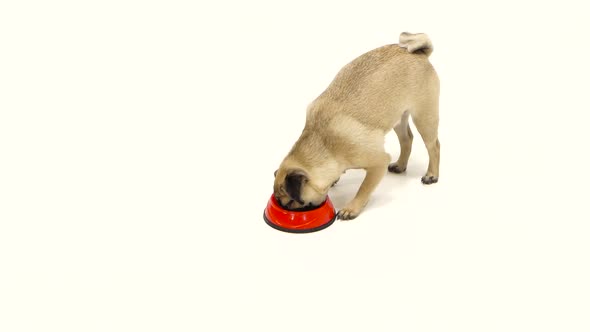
x: 348, y: 213
x: 395, y: 168
x: 429, y: 179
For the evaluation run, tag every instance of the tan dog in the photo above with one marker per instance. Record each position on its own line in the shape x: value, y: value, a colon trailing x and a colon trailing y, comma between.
x: 346, y: 125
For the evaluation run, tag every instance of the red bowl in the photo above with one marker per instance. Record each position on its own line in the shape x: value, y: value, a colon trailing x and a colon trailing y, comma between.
x: 299, y: 221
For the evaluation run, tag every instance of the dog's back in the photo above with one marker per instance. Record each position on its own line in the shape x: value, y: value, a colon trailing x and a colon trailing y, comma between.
x: 378, y: 86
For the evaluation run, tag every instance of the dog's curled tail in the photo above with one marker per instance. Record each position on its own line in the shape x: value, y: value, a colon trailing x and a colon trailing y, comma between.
x: 416, y: 43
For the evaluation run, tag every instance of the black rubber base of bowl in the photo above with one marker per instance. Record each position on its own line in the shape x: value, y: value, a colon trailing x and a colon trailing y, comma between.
x: 299, y: 231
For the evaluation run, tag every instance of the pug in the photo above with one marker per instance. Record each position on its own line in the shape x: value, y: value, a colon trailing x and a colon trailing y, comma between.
x: 347, y: 123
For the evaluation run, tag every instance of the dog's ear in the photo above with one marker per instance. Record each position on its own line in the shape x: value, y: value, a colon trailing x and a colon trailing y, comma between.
x: 276, y: 173
x: 293, y: 183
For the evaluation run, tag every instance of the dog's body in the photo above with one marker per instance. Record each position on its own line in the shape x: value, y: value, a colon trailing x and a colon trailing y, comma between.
x: 346, y: 125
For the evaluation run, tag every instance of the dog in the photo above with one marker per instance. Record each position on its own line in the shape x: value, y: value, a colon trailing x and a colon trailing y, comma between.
x: 346, y: 125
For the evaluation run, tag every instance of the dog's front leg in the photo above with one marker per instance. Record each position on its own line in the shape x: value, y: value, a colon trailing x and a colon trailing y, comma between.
x: 372, y: 179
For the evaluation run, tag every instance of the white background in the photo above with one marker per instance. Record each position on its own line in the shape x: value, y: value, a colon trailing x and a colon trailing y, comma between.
x: 138, y: 142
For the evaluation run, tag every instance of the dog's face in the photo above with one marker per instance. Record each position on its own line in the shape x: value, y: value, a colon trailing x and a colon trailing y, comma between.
x: 294, y: 189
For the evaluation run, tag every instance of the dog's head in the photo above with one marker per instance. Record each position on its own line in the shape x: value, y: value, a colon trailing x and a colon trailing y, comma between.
x: 295, y: 189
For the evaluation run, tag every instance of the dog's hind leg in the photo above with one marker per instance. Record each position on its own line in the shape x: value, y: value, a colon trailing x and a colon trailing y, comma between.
x: 405, y: 137
x: 426, y: 121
